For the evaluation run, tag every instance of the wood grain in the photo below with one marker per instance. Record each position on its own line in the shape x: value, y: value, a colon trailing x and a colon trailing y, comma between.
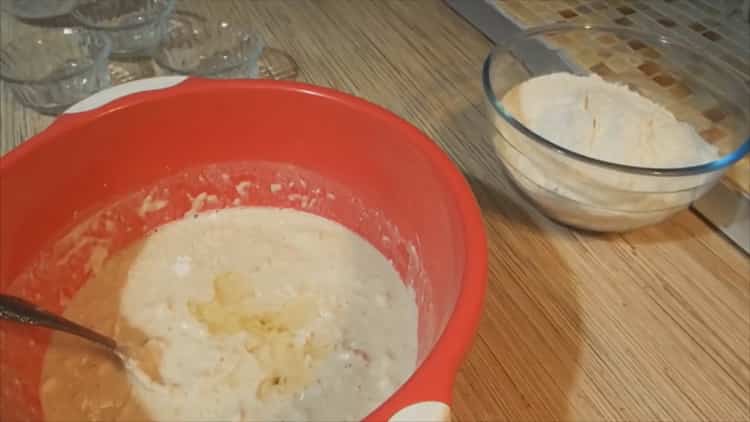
x: 649, y: 325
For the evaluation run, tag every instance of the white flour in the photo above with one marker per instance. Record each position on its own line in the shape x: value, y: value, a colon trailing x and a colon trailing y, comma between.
x: 269, y: 314
x: 605, y: 121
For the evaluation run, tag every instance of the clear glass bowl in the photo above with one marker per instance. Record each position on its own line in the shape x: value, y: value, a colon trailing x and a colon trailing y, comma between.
x: 597, y: 195
x: 213, y: 49
x: 135, y: 26
x: 39, y: 9
x: 49, y: 70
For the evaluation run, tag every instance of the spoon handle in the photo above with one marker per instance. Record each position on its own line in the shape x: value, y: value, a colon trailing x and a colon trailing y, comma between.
x: 20, y: 311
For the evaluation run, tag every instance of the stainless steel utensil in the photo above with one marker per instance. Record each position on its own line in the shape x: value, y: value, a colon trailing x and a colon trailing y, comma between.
x: 20, y: 311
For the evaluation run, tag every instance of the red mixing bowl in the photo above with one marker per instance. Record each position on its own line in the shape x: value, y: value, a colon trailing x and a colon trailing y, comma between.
x: 300, y: 146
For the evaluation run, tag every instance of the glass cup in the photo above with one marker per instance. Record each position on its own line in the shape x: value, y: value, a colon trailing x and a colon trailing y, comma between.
x: 213, y: 49
x: 135, y: 26
x: 39, y: 9
x: 51, y: 69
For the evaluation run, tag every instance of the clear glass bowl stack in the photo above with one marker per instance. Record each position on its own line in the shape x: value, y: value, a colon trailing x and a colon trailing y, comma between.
x: 105, y: 42
x: 52, y: 68
x: 214, y: 49
x: 39, y: 9
x: 135, y: 26
x: 597, y: 195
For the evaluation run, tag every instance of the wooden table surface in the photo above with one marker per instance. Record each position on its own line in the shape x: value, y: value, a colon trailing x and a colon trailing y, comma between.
x: 649, y: 325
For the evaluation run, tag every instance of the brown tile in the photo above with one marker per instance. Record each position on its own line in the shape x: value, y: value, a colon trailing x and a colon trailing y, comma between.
x: 649, y: 68
x: 620, y: 49
x: 697, y: 27
x: 681, y: 91
x: 599, y: 5
x: 664, y: 80
x: 636, y: 44
x: 650, y: 53
x: 559, y: 40
x: 711, y: 35
x: 711, y: 22
x: 587, y: 60
x: 624, y: 21
x: 568, y: 14
x: 642, y: 6
x: 713, y: 134
x: 607, y: 39
x: 604, y: 54
x: 669, y: 23
x: 602, y: 70
x: 618, y: 64
x: 715, y: 114
x: 584, y: 10
x: 633, y: 60
x: 625, y: 10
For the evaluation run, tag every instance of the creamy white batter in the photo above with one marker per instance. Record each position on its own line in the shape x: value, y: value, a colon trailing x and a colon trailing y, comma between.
x: 269, y: 314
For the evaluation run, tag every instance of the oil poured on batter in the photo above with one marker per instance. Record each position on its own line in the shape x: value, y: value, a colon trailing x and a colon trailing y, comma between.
x: 260, y: 314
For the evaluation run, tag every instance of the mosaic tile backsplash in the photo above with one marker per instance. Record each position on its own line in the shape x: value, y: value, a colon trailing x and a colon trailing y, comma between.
x: 716, y: 26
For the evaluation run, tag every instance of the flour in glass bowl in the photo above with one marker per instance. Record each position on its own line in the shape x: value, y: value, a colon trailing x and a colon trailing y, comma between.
x: 605, y: 121
x: 269, y: 314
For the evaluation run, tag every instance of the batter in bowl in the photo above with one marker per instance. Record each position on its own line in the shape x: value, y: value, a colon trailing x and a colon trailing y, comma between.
x: 256, y: 313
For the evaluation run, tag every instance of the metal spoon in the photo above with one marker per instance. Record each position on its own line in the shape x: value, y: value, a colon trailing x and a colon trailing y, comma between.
x: 20, y: 311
